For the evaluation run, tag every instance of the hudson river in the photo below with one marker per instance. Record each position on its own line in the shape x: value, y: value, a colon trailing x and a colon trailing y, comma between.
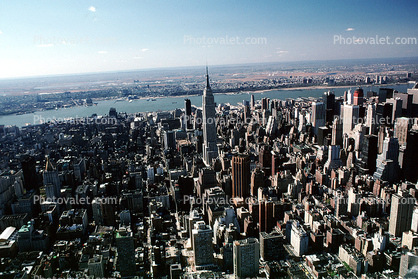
x: 171, y: 103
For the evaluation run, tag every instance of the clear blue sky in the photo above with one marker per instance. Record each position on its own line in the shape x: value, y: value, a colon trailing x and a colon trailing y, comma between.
x: 46, y: 37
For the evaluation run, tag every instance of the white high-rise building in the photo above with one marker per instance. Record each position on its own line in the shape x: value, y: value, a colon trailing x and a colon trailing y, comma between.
x: 350, y: 118
x: 299, y: 239
x: 318, y: 116
x: 401, y: 212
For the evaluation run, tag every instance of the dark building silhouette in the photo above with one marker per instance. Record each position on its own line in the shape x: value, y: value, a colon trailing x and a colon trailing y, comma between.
x: 188, y: 113
x: 29, y: 173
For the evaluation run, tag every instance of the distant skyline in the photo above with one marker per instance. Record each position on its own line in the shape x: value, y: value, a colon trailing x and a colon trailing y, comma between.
x: 69, y: 37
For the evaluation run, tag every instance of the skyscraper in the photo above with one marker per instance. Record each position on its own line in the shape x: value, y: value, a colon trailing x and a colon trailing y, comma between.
x: 358, y: 97
x: 350, y: 118
x: 246, y: 258
x: 188, y: 113
x: 51, y: 180
x: 329, y: 103
x: 402, y: 127
x: 337, y: 132
x: 401, y: 210
x: 210, y: 150
x: 318, y: 116
x: 241, y: 176
x: 126, y: 252
x: 366, y: 161
x: 29, y: 172
x: 387, y: 164
x: 202, y: 244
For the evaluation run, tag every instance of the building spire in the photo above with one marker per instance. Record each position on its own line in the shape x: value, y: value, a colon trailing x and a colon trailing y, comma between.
x: 207, y: 77
x: 48, y: 166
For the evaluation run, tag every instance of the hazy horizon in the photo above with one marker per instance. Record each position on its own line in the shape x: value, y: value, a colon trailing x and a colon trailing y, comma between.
x: 202, y: 67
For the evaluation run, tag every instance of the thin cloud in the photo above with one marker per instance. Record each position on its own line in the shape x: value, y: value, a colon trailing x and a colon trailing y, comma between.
x: 138, y: 57
x: 1, y: 32
x: 282, y: 51
x: 92, y: 9
x: 45, y: 45
x: 349, y: 29
x: 144, y: 49
x: 102, y: 52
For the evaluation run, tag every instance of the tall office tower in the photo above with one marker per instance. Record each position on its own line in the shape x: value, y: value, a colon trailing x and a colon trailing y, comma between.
x: 409, y: 157
x: 414, y: 93
x: 384, y: 94
x: 366, y: 161
x: 197, y: 120
x: 387, y: 164
x: 397, y: 107
x: 401, y: 210
x: 126, y: 252
x: 370, y: 118
x: 402, y: 127
x: 240, y: 176
x: 51, y: 180
x: 265, y: 103
x: 257, y: 181
x: 252, y: 101
x: 29, y: 172
x: 384, y: 113
x: 169, y: 140
x: 329, y: 103
x: 351, y: 118
x: 358, y: 97
x: 188, y: 113
x: 247, y: 114
x: 318, y: 116
x: 337, y: 132
x: 264, y: 158
x: 246, y: 258
x: 210, y: 150
x: 202, y: 244
x: 334, y: 160
x: 265, y: 214
x: 406, y: 102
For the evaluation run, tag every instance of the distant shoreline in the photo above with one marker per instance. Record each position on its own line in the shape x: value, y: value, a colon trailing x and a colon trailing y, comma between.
x: 313, y: 87
x: 299, y: 88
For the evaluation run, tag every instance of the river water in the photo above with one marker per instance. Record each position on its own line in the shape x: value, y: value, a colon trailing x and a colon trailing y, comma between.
x: 171, y: 103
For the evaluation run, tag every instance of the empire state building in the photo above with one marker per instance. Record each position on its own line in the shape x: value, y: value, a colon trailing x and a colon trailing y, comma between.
x: 210, y: 150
